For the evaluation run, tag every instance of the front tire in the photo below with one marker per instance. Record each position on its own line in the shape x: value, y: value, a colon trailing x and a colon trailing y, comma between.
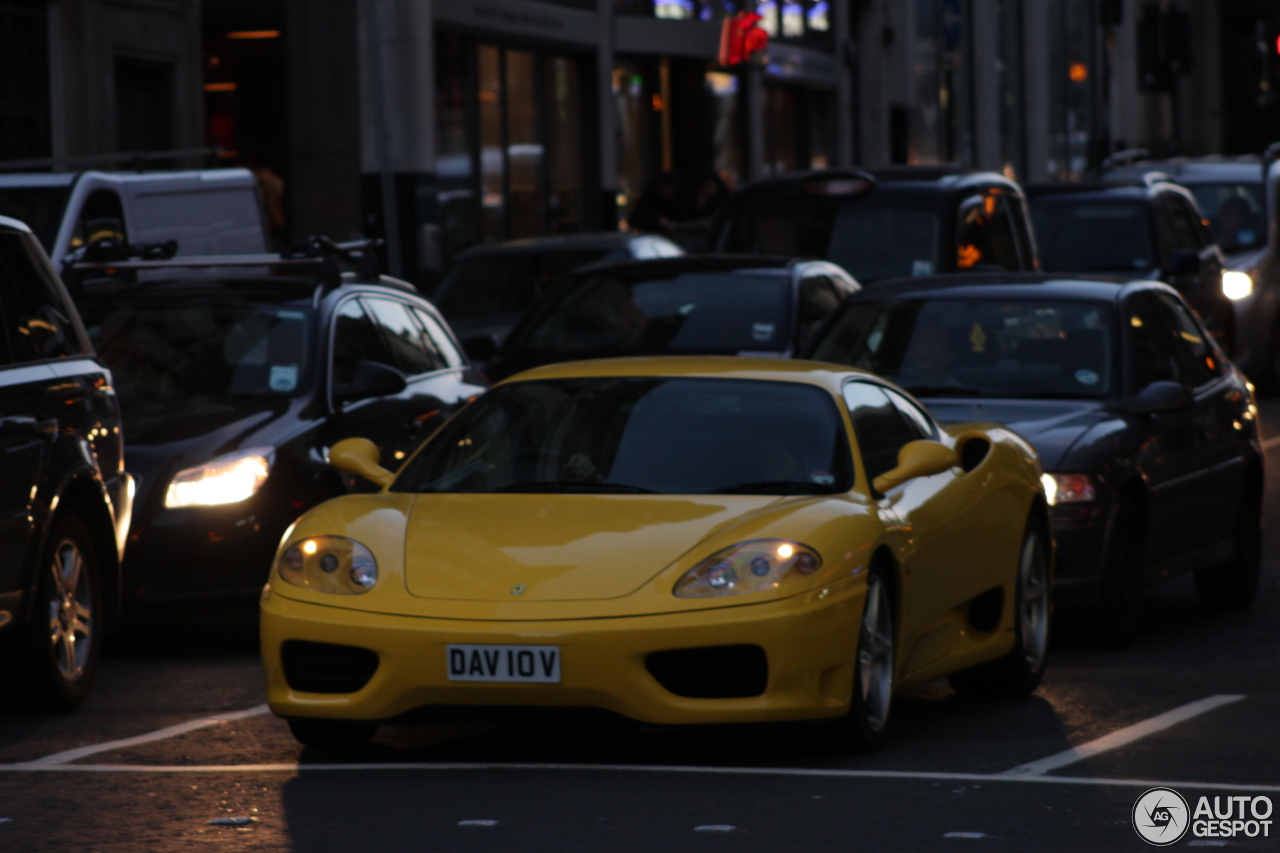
x: 1019, y: 672
x: 331, y: 734
x: 1233, y: 585
x: 60, y: 644
x: 863, y: 728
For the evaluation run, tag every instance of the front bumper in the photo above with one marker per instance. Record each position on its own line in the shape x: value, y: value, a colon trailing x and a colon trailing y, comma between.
x: 810, y: 641
x: 1080, y: 531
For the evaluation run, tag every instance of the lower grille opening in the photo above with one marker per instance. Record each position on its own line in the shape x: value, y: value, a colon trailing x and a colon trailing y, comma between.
x: 326, y: 668
x: 711, y: 672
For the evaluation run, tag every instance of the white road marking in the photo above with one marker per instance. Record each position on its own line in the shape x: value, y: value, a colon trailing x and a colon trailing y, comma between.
x: 60, y: 758
x: 477, y: 823
x: 1206, y: 842
x: 1122, y: 737
x: 965, y: 835
x: 632, y: 768
x: 715, y: 827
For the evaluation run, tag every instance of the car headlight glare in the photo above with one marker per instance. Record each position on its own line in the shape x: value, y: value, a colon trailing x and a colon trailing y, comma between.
x: 755, y: 566
x: 1068, y: 488
x: 1236, y: 285
x: 329, y: 564
x: 228, y: 479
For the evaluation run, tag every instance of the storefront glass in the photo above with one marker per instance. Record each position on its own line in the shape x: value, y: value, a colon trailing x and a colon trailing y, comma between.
x: 799, y: 129
x: 524, y: 146
x: 564, y: 145
x: 492, y: 163
x: 1073, y: 105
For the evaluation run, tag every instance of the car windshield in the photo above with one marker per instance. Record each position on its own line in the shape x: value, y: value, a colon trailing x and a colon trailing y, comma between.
x: 202, y: 346
x: 871, y: 242
x: 1236, y: 212
x: 1079, y: 235
x: 989, y: 347
x: 503, y: 284
x: 39, y: 207
x: 639, y: 435
x: 716, y: 312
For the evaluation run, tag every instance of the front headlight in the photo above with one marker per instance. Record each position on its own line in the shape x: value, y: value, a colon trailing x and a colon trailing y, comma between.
x: 1068, y: 488
x: 1236, y: 285
x: 228, y: 479
x: 754, y: 566
x: 329, y: 564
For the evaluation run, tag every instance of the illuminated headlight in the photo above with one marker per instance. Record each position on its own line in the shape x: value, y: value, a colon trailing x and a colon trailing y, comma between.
x: 1068, y: 488
x: 1236, y: 285
x: 329, y: 564
x: 226, y: 480
x: 748, y: 567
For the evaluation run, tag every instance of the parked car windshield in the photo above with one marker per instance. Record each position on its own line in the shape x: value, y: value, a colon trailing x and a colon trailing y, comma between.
x: 639, y: 435
x: 869, y: 241
x: 978, y: 347
x: 1237, y: 214
x: 503, y: 284
x: 689, y: 313
x: 201, y: 345
x: 39, y: 207
x: 1080, y: 235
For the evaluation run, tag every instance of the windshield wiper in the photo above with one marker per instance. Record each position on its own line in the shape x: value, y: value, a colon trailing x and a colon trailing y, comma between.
x: 775, y: 487
x: 944, y: 391
x: 575, y: 486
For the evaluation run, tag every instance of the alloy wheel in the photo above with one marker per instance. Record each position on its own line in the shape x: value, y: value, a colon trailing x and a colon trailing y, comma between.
x: 1033, y: 606
x: 875, y: 655
x: 70, y: 611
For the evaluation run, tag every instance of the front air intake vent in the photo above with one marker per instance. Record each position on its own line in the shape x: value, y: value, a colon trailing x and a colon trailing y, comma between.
x: 326, y: 668
x: 711, y: 672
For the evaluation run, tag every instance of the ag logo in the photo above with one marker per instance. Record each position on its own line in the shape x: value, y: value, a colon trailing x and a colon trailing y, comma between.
x: 1161, y: 817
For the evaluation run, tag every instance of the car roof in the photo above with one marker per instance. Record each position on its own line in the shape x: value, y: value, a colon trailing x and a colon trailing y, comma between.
x: 1092, y: 191
x: 1100, y: 288
x: 666, y: 267
x: 14, y: 225
x: 603, y: 241
x: 829, y: 376
x: 1195, y: 171
x: 942, y: 178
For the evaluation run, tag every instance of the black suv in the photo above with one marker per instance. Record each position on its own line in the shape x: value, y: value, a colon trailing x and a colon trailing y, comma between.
x: 888, y: 223
x: 65, y: 499
x: 1152, y: 229
x: 236, y: 374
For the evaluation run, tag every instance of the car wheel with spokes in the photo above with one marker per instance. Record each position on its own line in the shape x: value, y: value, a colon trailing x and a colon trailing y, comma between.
x: 62, y: 639
x: 1019, y: 672
x: 863, y: 728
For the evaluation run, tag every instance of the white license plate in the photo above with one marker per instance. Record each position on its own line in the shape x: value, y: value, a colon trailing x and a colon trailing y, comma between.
x: 504, y: 663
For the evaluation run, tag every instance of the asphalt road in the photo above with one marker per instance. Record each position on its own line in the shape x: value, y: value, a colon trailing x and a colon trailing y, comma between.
x: 957, y: 774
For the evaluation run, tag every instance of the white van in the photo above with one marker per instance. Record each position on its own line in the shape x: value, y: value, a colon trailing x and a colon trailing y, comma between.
x: 209, y: 212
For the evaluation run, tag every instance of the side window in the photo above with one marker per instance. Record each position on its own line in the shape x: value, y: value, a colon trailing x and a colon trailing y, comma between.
x: 1151, y: 354
x: 1200, y: 359
x: 1194, y: 224
x: 414, y: 352
x: 818, y: 298
x: 101, y: 218
x: 985, y: 238
x: 914, y: 415
x: 440, y: 339
x: 1022, y: 228
x: 39, y: 320
x: 355, y: 339
x: 879, y: 427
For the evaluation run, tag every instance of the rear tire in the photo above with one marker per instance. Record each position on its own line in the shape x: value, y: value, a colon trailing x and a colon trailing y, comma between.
x: 59, y: 645
x: 331, y: 734
x: 1019, y: 672
x: 1234, y: 584
x: 1118, y: 616
x: 864, y: 727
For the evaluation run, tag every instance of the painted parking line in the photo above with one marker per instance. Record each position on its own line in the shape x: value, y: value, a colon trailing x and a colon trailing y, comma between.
x: 1124, y: 736
x: 61, y: 758
x: 804, y: 772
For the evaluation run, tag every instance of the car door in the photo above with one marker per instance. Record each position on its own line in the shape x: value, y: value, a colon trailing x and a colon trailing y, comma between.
x: 934, y: 513
x: 1172, y: 456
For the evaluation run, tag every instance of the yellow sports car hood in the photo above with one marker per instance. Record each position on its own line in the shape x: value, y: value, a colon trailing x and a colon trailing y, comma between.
x: 558, y: 547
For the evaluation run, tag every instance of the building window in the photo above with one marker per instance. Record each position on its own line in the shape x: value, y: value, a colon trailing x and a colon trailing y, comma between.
x: 24, y: 80
x: 510, y: 156
x: 144, y: 105
x: 1073, y: 103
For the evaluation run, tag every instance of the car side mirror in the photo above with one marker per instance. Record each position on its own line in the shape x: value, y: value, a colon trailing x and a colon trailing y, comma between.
x: 1184, y: 262
x: 372, y: 379
x: 1160, y: 396
x: 922, y: 458
x: 361, y: 457
x: 480, y: 348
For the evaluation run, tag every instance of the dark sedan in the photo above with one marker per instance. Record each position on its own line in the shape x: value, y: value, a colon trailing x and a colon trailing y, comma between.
x: 700, y: 305
x: 1147, y: 433
x: 234, y: 383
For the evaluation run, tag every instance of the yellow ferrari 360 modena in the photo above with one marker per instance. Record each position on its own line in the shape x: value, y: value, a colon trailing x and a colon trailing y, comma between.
x: 677, y: 540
